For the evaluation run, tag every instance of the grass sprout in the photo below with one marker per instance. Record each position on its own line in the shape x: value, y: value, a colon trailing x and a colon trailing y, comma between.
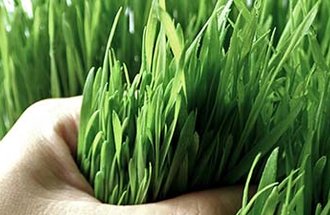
x: 183, y: 96
x: 249, y: 89
x: 48, y: 51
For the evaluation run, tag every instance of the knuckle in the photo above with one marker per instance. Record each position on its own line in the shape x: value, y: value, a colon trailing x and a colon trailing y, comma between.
x: 41, y: 105
x: 40, y: 111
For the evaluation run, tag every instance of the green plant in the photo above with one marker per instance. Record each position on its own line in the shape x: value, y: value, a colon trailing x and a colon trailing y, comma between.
x: 194, y: 96
x: 200, y: 110
x: 47, y: 49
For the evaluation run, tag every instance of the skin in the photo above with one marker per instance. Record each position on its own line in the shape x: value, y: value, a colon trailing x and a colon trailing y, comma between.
x: 38, y: 174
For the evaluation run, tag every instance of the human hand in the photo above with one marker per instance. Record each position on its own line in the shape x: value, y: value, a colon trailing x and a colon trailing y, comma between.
x: 38, y: 174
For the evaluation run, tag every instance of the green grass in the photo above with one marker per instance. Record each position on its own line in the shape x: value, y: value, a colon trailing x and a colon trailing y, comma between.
x: 193, y: 99
x: 200, y: 110
x: 50, y: 53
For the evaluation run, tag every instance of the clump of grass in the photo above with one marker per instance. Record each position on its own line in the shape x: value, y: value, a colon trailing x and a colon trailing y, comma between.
x: 203, y: 110
x: 47, y: 49
x: 189, y: 96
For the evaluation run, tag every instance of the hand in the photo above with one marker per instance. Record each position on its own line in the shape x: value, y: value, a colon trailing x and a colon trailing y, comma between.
x: 38, y: 174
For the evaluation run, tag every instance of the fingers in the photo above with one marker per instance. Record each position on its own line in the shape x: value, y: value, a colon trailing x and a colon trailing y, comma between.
x: 222, y: 201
